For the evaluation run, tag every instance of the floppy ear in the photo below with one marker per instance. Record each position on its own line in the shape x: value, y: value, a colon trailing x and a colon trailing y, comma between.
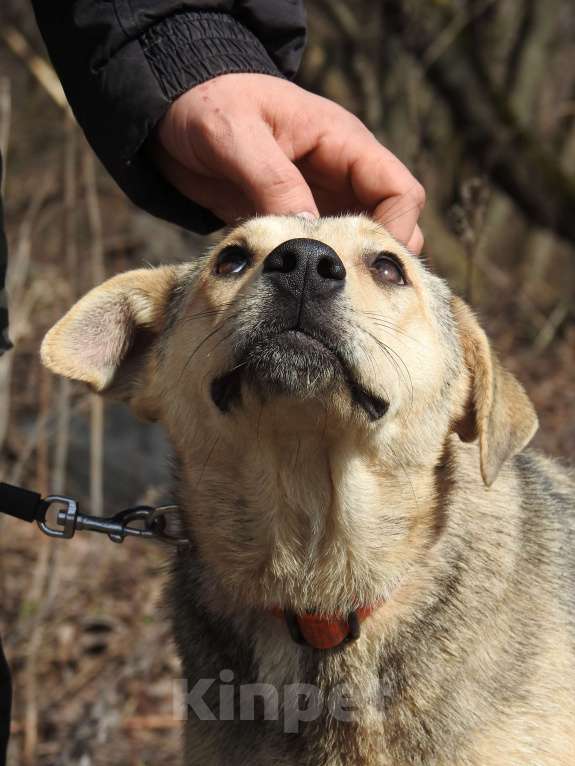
x: 498, y: 410
x: 104, y: 338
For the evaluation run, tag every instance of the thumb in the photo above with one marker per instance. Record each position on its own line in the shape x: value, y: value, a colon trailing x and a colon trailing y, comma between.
x: 267, y: 176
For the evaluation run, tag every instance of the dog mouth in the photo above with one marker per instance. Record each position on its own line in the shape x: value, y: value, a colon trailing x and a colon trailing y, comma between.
x: 298, y: 363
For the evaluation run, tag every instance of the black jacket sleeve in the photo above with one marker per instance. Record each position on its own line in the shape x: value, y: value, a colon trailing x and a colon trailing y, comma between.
x: 123, y: 62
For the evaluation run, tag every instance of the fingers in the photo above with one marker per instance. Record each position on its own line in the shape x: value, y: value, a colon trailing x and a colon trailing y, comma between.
x: 416, y: 242
x: 351, y: 171
x: 217, y: 130
x: 400, y: 215
x: 223, y: 198
x: 267, y: 176
x: 242, y: 144
x: 386, y: 187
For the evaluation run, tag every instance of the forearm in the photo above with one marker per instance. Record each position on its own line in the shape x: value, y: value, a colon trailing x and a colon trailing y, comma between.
x: 122, y: 65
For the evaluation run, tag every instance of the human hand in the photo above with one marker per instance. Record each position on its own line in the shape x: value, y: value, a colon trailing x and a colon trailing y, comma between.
x: 245, y: 144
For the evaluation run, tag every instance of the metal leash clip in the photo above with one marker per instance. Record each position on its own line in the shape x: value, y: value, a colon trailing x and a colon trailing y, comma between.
x: 69, y: 520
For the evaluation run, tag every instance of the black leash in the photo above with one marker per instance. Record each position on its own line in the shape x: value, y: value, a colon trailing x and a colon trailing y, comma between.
x: 59, y: 516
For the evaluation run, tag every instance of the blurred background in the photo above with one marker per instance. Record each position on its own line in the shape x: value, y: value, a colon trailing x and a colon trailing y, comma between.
x: 477, y: 97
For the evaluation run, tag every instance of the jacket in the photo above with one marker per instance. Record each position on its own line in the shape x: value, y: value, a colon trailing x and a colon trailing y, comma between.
x: 123, y: 62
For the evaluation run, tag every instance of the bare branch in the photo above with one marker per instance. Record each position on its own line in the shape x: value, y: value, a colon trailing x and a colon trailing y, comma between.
x: 508, y: 152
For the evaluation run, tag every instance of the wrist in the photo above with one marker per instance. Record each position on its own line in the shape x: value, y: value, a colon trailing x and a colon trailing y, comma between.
x: 188, y: 49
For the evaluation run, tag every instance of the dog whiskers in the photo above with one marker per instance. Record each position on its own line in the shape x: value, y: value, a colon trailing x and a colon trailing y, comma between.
x: 207, y: 313
x: 214, y: 347
x: 207, y: 460
x: 205, y: 340
x: 395, y: 360
x: 381, y: 321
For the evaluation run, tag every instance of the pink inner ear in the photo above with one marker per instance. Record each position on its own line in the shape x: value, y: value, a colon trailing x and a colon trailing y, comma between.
x: 100, y: 339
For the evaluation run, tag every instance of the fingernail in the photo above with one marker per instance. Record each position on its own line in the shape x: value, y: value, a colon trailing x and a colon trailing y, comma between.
x: 309, y: 216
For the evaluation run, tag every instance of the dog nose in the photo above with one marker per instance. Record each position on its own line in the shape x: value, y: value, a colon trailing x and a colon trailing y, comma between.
x: 305, y: 264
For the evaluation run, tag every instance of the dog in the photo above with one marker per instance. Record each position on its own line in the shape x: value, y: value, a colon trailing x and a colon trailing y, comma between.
x: 377, y: 570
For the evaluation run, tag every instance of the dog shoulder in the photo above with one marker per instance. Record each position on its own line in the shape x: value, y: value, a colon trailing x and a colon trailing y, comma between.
x: 547, y: 485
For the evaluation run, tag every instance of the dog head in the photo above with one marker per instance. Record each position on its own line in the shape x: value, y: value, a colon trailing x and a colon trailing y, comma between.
x: 324, y: 342
x: 331, y: 320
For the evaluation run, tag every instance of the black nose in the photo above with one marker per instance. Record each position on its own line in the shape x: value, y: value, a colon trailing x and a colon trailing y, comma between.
x: 305, y: 264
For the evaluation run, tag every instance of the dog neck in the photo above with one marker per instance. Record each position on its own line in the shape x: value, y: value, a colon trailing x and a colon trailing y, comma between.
x: 305, y: 520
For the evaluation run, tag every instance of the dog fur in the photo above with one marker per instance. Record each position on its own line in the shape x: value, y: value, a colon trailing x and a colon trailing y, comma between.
x: 374, y: 457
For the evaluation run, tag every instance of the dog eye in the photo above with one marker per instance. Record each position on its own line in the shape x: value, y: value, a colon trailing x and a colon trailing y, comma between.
x: 232, y: 260
x: 388, y: 270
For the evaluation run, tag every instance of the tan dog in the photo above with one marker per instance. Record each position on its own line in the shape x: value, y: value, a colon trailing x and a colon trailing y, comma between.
x: 376, y: 572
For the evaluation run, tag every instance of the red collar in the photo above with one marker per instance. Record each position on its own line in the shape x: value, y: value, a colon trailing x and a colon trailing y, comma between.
x: 322, y: 632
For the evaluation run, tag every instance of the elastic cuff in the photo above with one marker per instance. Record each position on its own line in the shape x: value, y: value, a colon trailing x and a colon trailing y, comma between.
x: 187, y: 49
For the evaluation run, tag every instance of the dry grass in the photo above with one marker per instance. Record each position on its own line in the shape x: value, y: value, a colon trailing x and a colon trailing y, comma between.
x: 91, y: 645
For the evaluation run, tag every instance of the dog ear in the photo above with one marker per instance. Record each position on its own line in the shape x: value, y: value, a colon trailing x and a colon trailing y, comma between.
x: 498, y: 410
x: 104, y: 338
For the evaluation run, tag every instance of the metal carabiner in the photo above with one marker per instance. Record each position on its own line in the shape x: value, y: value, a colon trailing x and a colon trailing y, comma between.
x: 65, y: 518
x: 116, y: 527
x: 157, y: 524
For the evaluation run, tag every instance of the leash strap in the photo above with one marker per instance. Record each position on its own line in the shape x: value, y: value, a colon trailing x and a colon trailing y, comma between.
x: 141, y: 521
x: 59, y: 516
x: 21, y: 503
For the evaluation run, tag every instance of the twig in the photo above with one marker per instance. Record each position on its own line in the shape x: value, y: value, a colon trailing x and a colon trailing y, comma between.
x: 40, y: 68
x: 452, y: 31
x: 361, y: 65
x: 151, y: 722
x: 36, y: 590
x: 510, y: 151
x: 29, y: 444
x: 98, y: 274
x: 6, y: 361
x: 469, y: 220
x: 550, y: 328
x: 69, y: 231
x: 5, y: 121
x: 16, y: 279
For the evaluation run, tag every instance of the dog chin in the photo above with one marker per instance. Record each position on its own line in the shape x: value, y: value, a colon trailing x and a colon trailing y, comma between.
x: 292, y: 365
